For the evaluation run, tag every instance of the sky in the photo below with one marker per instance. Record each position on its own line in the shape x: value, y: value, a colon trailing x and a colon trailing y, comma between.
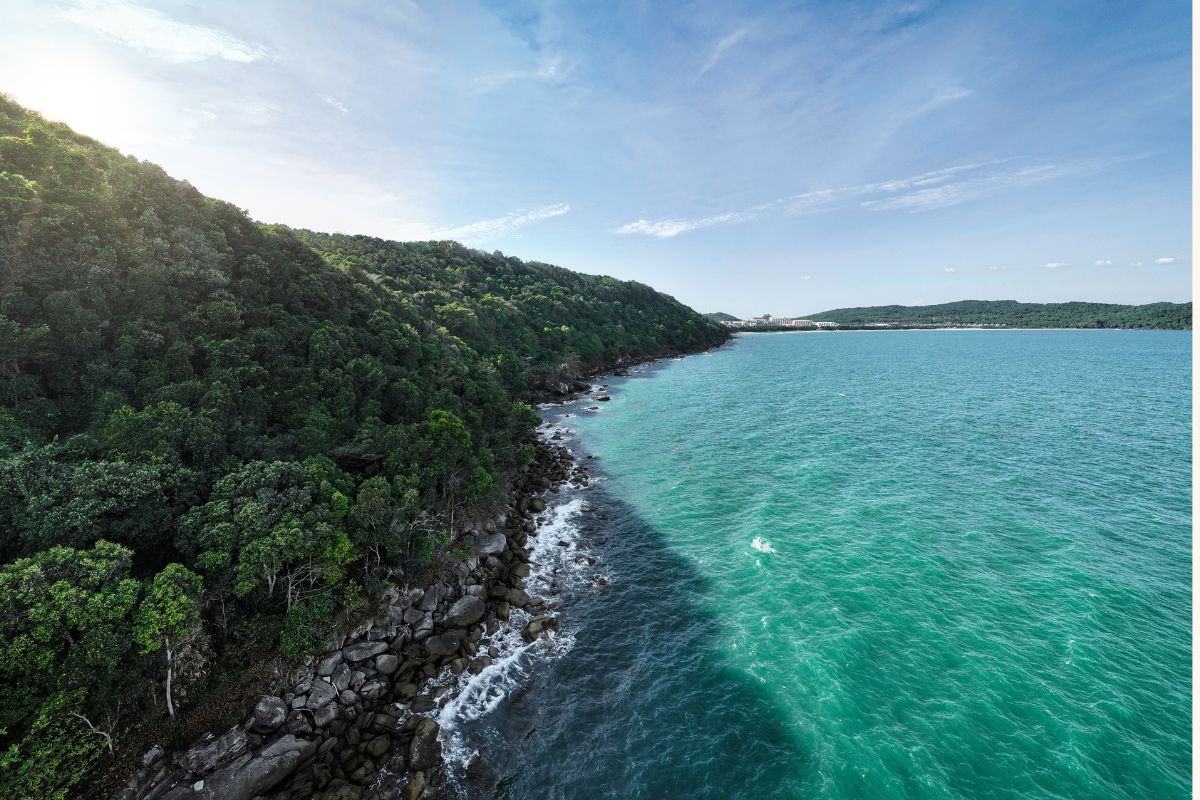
x: 745, y: 157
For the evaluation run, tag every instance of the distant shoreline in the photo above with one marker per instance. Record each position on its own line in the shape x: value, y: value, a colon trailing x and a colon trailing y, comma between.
x: 864, y: 329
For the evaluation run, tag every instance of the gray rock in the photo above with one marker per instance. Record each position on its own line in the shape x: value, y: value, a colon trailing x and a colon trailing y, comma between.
x: 387, y: 663
x: 431, y: 598
x: 374, y: 689
x: 518, y: 598
x: 341, y: 677
x: 329, y: 663
x: 425, y: 752
x: 325, y: 714
x: 347, y: 698
x: 443, y: 644
x: 152, y: 755
x: 378, y: 746
x: 490, y: 545
x: 363, y: 650
x: 424, y: 627
x: 269, y: 714
x: 261, y: 773
x: 204, y: 758
x: 413, y: 615
x: 322, y: 694
x: 465, y: 611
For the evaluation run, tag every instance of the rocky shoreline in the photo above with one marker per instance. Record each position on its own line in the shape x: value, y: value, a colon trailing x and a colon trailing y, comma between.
x: 358, y: 721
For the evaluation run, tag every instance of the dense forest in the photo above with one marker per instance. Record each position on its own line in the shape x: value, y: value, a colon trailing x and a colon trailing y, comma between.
x: 1010, y: 313
x: 219, y: 437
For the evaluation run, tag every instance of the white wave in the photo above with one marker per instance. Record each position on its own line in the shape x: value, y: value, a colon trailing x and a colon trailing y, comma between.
x: 555, y: 564
x: 762, y: 545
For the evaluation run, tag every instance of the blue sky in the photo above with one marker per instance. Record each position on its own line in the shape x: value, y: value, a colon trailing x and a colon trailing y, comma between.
x: 744, y: 157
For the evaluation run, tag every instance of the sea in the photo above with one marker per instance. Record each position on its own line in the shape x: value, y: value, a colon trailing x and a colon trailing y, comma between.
x: 885, y: 564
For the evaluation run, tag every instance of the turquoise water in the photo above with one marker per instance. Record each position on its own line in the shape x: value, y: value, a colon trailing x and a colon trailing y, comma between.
x: 876, y: 565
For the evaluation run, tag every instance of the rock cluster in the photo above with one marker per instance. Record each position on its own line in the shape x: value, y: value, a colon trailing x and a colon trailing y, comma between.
x: 348, y: 725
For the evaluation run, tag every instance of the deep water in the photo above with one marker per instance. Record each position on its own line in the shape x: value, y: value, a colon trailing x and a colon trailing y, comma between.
x: 870, y: 565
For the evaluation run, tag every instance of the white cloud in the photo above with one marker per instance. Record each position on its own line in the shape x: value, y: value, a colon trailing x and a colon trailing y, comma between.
x: 1135, y: 263
x: 550, y: 69
x: 486, y: 229
x: 1165, y: 260
x: 950, y: 194
x: 950, y: 269
x: 726, y: 42
x: 806, y: 277
x: 929, y: 190
x: 1056, y: 264
x: 338, y: 105
x: 948, y: 95
x: 1104, y: 263
x: 156, y: 34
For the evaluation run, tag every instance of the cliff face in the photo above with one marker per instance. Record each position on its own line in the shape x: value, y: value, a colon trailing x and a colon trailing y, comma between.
x: 224, y: 437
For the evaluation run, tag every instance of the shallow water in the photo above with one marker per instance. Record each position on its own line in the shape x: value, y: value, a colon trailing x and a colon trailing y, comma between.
x: 872, y: 565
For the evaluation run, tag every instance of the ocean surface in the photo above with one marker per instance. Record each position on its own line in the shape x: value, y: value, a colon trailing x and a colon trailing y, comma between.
x: 928, y: 564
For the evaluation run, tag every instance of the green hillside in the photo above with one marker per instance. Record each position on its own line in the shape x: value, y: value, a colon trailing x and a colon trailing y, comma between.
x: 217, y: 436
x: 1019, y: 315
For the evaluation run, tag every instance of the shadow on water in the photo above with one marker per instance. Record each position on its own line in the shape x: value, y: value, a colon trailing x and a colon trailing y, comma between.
x: 643, y: 706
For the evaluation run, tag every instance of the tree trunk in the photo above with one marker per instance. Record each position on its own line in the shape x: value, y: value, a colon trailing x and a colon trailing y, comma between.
x: 170, y: 675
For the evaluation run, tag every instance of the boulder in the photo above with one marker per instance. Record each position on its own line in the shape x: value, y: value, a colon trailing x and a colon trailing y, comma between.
x: 269, y: 714
x: 329, y: 663
x: 321, y: 694
x: 415, y: 786
x: 259, y: 774
x: 363, y: 650
x: 377, y: 746
x: 491, y: 544
x: 341, y: 677
x: 466, y: 611
x: 325, y: 714
x: 425, y: 752
x: 387, y: 663
x: 431, y: 598
x: 374, y: 689
x: 537, y: 504
x: 518, y: 598
x: 206, y: 757
x: 443, y: 644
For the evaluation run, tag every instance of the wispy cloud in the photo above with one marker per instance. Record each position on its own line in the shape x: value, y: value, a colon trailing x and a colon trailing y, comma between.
x: 1056, y: 264
x: 487, y: 229
x: 727, y: 41
x: 1165, y: 260
x: 950, y: 269
x: 1104, y: 262
x: 554, y: 68
x: 338, y: 105
x: 938, y: 188
x: 950, y: 193
x: 943, y: 97
x: 806, y: 277
x: 797, y: 204
x: 156, y: 34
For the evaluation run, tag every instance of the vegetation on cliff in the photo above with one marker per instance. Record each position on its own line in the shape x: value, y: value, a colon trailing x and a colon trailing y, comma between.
x: 215, y: 436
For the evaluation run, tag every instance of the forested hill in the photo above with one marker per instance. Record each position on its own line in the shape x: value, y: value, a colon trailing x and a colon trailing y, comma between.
x: 1010, y: 313
x: 217, y: 436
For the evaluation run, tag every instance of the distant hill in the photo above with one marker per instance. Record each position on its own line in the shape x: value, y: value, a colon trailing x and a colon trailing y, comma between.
x: 1010, y: 313
x: 721, y: 316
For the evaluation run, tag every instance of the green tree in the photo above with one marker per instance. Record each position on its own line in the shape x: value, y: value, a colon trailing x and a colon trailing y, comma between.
x: 168, y: 619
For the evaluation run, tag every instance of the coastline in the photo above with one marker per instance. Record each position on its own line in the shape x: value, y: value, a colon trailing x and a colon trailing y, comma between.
x: 374, y: 714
